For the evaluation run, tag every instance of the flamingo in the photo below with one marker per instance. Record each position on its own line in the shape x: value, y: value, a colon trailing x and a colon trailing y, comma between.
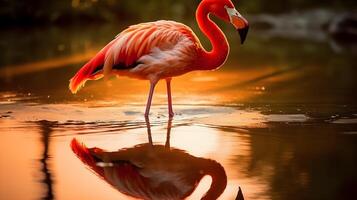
x: 164, y: 49
x: 148, y: 171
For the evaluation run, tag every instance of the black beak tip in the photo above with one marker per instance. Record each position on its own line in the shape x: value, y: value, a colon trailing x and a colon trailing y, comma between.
x: 243, y: 34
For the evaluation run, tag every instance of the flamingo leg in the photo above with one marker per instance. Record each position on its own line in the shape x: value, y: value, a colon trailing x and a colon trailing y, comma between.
x: 168, y: 133
x: 169, y: 98
x: 148, y: 104
x: 148, y: 126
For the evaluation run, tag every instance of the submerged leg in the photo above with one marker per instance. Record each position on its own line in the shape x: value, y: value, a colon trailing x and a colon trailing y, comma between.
x: 148, y: 104
x: 169, y: 98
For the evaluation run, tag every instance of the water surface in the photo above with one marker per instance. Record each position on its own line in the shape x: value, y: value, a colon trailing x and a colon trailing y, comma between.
x: 280, y: 117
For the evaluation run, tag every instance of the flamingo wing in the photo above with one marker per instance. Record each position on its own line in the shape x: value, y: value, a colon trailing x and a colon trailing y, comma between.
x: 143, y: 50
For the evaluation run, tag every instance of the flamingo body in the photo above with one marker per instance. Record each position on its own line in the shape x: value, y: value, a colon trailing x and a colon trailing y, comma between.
x: 163, y: 49
x: 151, y: 51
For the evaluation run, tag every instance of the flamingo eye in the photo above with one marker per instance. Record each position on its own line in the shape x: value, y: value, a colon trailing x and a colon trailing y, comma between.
x: 237, y: 13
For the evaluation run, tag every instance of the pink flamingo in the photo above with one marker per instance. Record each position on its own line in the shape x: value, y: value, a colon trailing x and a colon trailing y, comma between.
x: 164, y: 49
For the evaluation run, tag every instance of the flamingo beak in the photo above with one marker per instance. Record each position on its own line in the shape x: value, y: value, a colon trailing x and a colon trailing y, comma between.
x: 239, y: 22
x: 243, y: 34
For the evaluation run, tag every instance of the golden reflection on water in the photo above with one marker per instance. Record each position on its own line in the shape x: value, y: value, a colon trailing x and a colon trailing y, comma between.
x: 18, y: 166
x: 68, y: 172
x: 189, y: 138
x: 153, y: 171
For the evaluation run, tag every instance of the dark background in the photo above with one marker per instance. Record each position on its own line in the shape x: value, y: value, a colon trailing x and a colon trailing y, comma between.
x: 65, y: 12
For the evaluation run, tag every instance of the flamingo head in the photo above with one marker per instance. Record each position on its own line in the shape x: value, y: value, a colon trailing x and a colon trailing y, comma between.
x: 225, y: 10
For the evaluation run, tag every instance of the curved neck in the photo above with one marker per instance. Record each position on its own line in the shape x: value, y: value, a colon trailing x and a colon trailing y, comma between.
x: 213, y: 59
x: 219, y: 179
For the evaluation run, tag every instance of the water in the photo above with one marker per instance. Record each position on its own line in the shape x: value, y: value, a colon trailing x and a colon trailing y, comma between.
x: 280, y: 117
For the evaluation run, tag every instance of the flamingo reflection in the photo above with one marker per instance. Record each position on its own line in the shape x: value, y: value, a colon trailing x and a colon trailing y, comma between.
x: 148, y: 171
